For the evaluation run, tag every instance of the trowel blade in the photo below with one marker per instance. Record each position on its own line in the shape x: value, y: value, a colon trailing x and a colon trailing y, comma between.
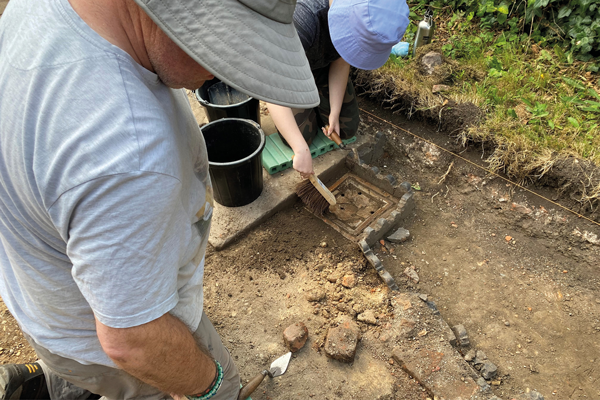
x: 279, y: 366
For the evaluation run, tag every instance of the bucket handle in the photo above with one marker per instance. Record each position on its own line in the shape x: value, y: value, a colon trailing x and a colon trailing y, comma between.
x: 200, y: 99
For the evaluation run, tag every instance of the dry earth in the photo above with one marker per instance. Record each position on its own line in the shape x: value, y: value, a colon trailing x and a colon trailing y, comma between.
x: 531, y: 302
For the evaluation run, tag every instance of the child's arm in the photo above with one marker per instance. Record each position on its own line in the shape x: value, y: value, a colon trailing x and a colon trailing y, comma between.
x: 338, y: 79
x: 283, y: 118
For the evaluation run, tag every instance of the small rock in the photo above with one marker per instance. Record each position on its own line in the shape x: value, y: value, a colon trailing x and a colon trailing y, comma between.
x: 295, y: 336
x: 334, y: 276
x: 323, y: 244
x: 532, y: 395
x: 349, y: 281
x: 520, y: 208
x: 470, y: 356
x: 368, y: 317
x: 461, y: 335
x: 423, y: 297
x: 440, y: 88
x: 315, y: 295
x: 358, y: 308
x: 430, y: 61
x: 480, y: 358
x: 401, y: 235
x: 341, y: 341
x: 411, y: 274
x: 506, y: 323
x: 483, y: 384
x: 489, y: 370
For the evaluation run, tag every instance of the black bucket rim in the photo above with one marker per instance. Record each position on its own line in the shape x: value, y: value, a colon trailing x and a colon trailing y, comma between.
x: 261, y: 146
x: 208, y: 104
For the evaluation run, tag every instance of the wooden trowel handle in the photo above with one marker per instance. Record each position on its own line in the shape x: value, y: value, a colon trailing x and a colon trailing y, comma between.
x: 251, y: 386
x: 337, y: 140
x: 335, y: 137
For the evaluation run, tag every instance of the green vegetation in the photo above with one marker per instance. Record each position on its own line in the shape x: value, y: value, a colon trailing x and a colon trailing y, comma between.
x: 537, y: 89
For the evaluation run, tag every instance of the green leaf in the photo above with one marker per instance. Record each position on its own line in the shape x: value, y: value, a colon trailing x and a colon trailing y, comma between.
x: 503, y: 8
x: 511, y: 112
x: 551, y: 124
x: 573, y: 122
x: 564, y: 11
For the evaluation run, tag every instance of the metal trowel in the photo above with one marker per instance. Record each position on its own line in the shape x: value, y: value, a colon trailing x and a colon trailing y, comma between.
x: 278, y: 367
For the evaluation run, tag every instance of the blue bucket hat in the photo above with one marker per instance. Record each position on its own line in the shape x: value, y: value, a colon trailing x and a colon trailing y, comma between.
x: 364, y: 31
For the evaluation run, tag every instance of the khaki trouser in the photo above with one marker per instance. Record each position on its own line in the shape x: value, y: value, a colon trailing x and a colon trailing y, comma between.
x: 69, y: 380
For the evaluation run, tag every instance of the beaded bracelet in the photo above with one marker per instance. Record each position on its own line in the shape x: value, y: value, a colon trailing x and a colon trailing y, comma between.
x: 215, y: 386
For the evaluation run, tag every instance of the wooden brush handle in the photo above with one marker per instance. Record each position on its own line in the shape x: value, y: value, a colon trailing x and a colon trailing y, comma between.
x: 322, y: 189
x: 251, y: 386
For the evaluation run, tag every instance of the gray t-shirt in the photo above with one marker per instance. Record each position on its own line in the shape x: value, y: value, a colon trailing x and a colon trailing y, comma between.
x: 105, y: 197
x: 310, y: 19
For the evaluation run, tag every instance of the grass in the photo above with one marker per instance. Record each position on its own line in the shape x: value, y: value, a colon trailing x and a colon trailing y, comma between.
x: 539, y: 105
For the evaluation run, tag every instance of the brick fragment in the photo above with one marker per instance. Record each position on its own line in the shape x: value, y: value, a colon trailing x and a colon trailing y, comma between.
x: 349, y: 281
x: 295, y: 336
x: 342, y: 340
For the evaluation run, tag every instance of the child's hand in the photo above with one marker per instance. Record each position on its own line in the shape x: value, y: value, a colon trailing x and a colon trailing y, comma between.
x: 302, y: 163
x: 334, y: 126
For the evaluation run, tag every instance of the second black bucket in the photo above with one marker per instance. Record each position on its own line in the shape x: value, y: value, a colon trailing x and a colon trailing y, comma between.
x: 223, y: 101
x: 234, y: 155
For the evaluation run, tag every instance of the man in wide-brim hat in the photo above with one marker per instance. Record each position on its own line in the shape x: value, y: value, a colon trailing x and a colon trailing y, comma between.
x: 105, y: 196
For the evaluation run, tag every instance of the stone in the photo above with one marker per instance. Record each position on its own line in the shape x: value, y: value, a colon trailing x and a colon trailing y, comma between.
x: 295, y: 336
x: 367, y: 317
x: 334, y: 276
x: 341, y: 341
x: 480, y: 358
x: 520, y: 208
x: 315, y: 295
x: 470, y: 356
x: 483, y: 384
x: 531, y: 395
x: 411, y: 274
x: 461, y: 335
x: 430, y: 61
x: 400, y: 236
x: 349, y: 281
x: 423, y: 297
x: 440, y: 88
x: 489, y: 370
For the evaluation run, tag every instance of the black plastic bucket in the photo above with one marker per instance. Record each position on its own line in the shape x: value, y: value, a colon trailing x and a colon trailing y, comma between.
x: 234, y: 155
x: 223, y: 101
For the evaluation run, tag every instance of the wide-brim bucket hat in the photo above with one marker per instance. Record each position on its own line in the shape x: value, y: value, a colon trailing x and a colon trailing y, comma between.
x: 251, y: 45
x: 364, y: 31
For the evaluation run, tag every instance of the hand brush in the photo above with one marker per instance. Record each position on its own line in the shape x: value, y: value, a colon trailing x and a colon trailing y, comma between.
x: 315, y: 194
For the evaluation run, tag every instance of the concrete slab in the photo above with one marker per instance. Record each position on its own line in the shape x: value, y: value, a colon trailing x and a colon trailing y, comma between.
x: 279, y: 190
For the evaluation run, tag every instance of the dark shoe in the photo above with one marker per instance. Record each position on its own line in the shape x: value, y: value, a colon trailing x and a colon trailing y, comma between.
x: 22, y: 381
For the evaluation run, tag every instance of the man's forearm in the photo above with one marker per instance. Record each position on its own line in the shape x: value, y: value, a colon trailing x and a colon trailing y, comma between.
x: 162, y: 353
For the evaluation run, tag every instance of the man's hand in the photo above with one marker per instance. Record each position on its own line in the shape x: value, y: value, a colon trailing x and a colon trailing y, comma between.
x: 162, y: 353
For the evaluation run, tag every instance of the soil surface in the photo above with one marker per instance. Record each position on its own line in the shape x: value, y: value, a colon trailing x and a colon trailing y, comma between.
x: 519, y: 273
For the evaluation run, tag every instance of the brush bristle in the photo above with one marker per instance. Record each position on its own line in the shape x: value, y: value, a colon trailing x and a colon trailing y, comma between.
x: 310, y: 196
